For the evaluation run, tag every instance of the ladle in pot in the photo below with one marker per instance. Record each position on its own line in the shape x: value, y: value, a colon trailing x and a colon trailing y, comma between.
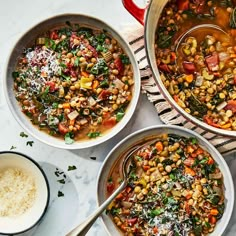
x: 200, y: 31
x: 84, y: 227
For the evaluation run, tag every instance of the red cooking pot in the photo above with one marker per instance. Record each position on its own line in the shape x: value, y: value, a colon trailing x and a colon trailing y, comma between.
x: 149, y: 17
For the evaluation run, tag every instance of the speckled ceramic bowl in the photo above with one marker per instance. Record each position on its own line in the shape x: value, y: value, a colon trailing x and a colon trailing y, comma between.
x: 141, y: 136
x: 27, y: 40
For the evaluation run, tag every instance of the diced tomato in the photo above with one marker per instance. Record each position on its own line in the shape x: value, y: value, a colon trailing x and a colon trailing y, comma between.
x: 183, y: 5
x: 63, y: 129
x: 132, y: 221
x: 145, y: 168
x: 128, y: 189
x: 52, y: 86
x: 109, y: 123
x: 54, y: 35
x: 110, y: 187
x: 231, y: 105
x: 189, y: 67
x: 187, y: 208
x: 164, y: 67
x: 119, y: 196
x: 189, y: 161
x: 212, y: 219
x: 93, y: 50
x: 104, y: 94
x: 209, y: 121
x: 155, y: 230
x: 210, y: 161
x: 212, y: 61
x: 119, y: 65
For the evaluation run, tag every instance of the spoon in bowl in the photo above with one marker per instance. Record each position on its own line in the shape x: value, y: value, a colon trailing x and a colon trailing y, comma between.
x: 84, y: 227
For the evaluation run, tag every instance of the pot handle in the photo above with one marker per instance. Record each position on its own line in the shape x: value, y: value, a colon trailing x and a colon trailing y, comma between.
x: 134, y: 10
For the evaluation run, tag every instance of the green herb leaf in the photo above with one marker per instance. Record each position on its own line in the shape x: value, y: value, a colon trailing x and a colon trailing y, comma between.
x: 60, y: 194
x: 29, y: 143
x: 68, y: 138
x: 23, y: 135
x: 119, y: 116
x: 12, y: 147
x: 94, y: 134
x: 55, y: 105
x: 125, y: 60
x: 156, y: 212
x: 71, y: 168
x: 76, y: 62
x: 61, y: 181
x: 15, y: 74
x: 193, y: 140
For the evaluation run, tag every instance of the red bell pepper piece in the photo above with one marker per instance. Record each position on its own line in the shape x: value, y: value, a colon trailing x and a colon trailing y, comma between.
x: 189, y: 67
x: 132, y: 221
x: 231, y: 105
x: 54, y: 35
x: 52, y: 86
x: 63, y: 129
x: 104, y: 94
x: 183, y: 5
x: 164, y: 67
x: 209, y: 121
x: 212, y: 62
x: 109, y: 123
x: 110, y: 187
x: 119, y: 65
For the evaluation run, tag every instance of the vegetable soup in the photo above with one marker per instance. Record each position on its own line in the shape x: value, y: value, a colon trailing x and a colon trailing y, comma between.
x: 74, y: 82
x: 198, y: 68
x: 174, y: 188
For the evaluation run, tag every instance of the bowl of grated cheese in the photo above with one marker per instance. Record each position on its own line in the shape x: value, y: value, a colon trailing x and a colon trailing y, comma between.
x: 24, y: 193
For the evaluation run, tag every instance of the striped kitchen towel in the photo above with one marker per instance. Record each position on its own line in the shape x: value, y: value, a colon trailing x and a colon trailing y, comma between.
x: 135, y: 36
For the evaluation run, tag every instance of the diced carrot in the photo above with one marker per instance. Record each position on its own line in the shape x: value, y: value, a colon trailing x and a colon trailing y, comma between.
x: 145, y: 168
x: 210, y: 161
x: 189, y: 78
x: 72, y: 122
x: 190, y: 171
x: 226, y: 126
x: 188, y: 196
x: 159, y: 146
x: 95, y: 84
x: 190, y: 149
x: 119, y: 196
x: 66, y: 105
x: 155, y: 230
x: 212, y: 219
x: 85, y: 74
x: 128, y: 189
x: 176, y: 97
x: 214, y: 212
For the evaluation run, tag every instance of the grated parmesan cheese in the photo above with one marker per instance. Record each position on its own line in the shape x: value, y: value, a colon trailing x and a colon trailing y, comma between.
x: 17, y: 192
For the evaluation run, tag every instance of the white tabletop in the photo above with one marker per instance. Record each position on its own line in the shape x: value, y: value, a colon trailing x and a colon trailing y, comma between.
x: 80, y: 189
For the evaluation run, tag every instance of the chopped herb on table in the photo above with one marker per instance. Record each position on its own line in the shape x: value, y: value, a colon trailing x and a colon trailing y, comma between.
x: 61, y: 181
x: 29, y: 143
x: 13, y: 147
x: 70, y: 168
x: 60, y: 194
x: 23, y: 135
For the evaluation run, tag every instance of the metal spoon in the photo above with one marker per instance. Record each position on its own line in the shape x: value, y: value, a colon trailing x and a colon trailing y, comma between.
x: 84, y: 227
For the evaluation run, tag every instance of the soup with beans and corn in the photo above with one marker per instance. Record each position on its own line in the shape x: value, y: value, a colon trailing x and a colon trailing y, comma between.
x: 74, y: 82
x: 199, y: 69
x: 174, y: 188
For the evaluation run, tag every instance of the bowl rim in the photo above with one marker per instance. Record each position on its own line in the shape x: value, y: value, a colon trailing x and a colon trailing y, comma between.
x: 183, y: 129
x: 49, y: 140
x: 22, y: 155
x: 157, y: 77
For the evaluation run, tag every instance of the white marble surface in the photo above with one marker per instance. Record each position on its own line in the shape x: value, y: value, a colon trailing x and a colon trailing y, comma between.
x: 80, y: 188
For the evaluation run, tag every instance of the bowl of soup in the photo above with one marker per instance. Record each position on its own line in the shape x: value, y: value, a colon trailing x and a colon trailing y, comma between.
x: 72, y: 81
x: 177, y: 185
x: 191, y: 47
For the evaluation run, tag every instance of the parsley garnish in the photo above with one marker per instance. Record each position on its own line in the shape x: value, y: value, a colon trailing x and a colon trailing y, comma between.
x: 29, y: 143
x: 61, y: 181
x: 94, y: 134
x: 68, y: 138
x: 125, y: 60
x: 23, y: 135
x: 71, y: 168
x: 93, y: 158
x: 60, y: 194
x: 12, y: 147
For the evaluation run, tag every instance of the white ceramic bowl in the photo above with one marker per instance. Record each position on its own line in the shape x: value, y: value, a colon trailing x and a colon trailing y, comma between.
x: 27, y: 40
x: 143, y: 134
x: 27, y: 220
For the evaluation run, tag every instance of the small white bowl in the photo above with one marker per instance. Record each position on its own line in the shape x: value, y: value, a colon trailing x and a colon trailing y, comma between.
x: 21, y: 223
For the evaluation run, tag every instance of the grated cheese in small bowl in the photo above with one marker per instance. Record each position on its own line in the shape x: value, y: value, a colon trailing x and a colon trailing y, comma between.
x: 17, y: 192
